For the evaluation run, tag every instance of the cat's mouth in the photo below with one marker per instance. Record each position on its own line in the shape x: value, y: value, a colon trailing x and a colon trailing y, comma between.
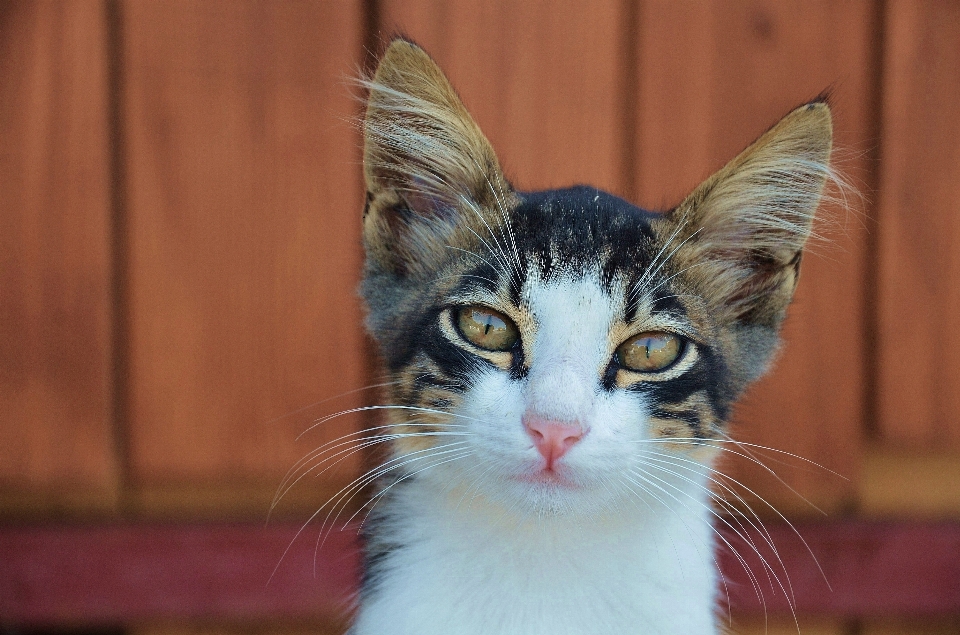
x: 552, y: 477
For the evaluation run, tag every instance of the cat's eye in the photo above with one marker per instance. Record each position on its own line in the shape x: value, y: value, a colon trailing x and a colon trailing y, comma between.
x: 486, y: 328
x: 649, y: 352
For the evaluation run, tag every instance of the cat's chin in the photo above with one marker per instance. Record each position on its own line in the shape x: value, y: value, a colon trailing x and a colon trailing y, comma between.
x: 552, y: 492
x: 555, y: 478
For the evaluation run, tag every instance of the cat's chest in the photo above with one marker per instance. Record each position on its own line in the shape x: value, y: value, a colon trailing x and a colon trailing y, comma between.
x: 458, y: 578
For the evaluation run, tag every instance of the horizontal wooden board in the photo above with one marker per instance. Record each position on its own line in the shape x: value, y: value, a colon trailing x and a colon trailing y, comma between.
x: 786, y: 626
x: 912, y: 627
x: 56, y: 435
x: 866, y: 565
x: 244, y: 205
x: 89, y: 576
x: 142, y: 573
x: 711, y: 78
x: 310, y: 627
x: 918, y: 387
x: 909, y: 484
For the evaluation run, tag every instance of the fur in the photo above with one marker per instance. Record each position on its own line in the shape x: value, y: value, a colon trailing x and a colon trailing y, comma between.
x: 468, y: 533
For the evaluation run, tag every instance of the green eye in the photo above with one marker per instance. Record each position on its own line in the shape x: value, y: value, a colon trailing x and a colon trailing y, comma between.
x: 486, y: 328
x: 649, y: 352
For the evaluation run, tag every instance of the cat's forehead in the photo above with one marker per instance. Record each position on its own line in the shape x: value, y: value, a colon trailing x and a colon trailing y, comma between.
x: 555, y: 238
x: 582, y: 230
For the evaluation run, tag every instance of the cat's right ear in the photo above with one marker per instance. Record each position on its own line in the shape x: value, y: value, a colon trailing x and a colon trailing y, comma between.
x: 428, y: 168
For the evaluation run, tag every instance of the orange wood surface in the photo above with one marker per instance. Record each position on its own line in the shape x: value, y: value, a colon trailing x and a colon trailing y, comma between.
x: 543, y: 80
x: 712, y: 77
x: 56, y: 442
x: 239, y: 201
x: 243, y: 204
x: 919, y: 239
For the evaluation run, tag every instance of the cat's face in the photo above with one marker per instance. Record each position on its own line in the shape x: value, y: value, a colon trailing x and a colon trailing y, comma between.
x: 552, y: 351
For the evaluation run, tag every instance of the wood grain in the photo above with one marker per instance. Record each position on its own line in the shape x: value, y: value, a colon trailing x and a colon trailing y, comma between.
x: 244, y: 206
x: 543, y: 80
x: 713, y: 77
x: 56, y: 441
x: 919, y: 240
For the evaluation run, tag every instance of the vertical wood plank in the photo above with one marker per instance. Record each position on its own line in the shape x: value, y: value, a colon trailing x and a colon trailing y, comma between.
x: 244, y: 206
x: 919, y: 240
x: 543, y: 80
x: 56, y: 445
x: 713, y: 77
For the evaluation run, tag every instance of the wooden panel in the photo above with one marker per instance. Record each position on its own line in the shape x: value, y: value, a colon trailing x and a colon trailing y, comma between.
x: 543, y: 80
x: 912, y: 627
x: 875, y: 570
x: 271, y: 627
x: 56, y: 446
x: 789, y: 627
x: 244, y: 206
x: 105, y: 575
x: 713, y: 77
x: 919, y: 241
x: 911, y: 484
x: 98, y: 575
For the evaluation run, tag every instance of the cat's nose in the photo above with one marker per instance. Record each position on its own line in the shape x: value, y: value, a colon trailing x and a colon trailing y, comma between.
x: 552, y: 438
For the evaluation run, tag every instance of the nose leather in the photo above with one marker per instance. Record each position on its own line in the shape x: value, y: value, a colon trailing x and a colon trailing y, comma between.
x: 552, y: 438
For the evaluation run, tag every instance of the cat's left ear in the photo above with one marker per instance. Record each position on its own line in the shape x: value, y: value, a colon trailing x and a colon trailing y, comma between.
x: 739, y: 236
x: 429, y: 170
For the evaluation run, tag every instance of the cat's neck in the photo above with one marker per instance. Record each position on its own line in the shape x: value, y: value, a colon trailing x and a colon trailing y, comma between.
x: 462, y: 564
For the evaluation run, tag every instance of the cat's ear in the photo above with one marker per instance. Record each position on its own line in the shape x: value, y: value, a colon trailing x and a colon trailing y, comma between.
x: 427, y: 166
x: 739, y: 236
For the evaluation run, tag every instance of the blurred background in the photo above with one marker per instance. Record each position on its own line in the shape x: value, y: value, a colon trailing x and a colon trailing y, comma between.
x: 180, y: 199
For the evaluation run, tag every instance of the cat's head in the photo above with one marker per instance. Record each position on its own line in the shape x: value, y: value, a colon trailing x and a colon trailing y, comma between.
x: 543, y: 347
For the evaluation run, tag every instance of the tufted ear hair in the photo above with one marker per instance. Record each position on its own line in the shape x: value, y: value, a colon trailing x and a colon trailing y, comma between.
x: 740, y: 235
x: 428, y: 168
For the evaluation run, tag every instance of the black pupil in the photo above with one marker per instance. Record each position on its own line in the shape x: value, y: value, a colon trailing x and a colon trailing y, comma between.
x: 490, y: 322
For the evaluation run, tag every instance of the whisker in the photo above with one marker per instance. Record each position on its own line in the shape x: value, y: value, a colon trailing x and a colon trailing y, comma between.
x: 354, y: 446
x: 770, y: 506
x: 323, y: 401
x: 379, y: 495
x: 754, y: 581
x: 743, y: 535
x: 379, y: 470
x: 385, y: 407
x: 359, y: 484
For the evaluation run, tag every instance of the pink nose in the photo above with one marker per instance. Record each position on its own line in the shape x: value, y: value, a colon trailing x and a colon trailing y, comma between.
x: 552, y: 438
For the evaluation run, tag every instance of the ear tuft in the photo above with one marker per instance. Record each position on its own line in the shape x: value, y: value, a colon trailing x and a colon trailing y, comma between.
x: 740, y: 234
x: 426, y: 161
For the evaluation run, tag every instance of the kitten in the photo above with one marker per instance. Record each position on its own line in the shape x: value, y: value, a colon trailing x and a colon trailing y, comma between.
x: 563, y: 365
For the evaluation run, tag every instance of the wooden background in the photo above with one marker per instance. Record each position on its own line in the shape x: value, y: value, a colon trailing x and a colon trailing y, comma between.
x: 180, y: 198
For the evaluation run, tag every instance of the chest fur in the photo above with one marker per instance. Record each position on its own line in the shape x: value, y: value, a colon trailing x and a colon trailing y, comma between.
x: 462, y: 571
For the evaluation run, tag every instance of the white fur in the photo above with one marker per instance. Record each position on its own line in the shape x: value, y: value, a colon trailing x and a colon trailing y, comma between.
x: 623, y: 547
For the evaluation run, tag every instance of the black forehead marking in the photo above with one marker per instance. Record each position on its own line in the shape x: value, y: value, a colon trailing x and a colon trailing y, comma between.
x: 484, y: 276
x: 668, y: 303
x: 517, y: 279
x: 583, y: 227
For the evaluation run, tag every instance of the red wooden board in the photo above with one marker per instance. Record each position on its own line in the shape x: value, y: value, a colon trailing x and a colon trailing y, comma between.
x: 125, y: 574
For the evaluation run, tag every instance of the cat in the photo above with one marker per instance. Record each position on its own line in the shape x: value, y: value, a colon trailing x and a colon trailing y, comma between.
x: 562, y: 367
